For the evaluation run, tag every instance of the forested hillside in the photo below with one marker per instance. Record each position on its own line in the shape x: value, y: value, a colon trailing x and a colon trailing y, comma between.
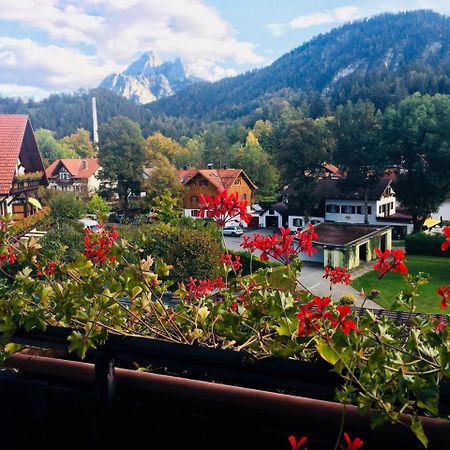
x: 382, y: 59
x: 65, y: 113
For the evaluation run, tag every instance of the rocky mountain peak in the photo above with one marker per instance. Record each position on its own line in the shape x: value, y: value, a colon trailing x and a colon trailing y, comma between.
x: 148, y: 79
x: 145, y: 64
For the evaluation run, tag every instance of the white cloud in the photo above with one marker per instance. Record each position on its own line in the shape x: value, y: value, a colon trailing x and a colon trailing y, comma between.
x: 117, y: 31
x: 338, y: 15
x: 24, y: 62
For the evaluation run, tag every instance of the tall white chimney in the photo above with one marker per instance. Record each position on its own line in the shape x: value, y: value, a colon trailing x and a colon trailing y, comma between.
x: 94, y: 122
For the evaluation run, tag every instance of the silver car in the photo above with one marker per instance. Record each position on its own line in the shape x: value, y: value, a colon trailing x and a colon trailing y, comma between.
x: 233, y: 230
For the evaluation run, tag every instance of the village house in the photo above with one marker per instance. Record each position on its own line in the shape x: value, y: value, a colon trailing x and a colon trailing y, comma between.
x: 338, y: 206
x: 210, y: 181
x: 21, y: 168
x: 74, y: 175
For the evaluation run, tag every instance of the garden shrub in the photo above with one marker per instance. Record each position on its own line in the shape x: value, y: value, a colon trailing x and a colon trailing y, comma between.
x: 425, y: 244
x: 65, y: 207
x: 66, y: 234
x: 194, y: 252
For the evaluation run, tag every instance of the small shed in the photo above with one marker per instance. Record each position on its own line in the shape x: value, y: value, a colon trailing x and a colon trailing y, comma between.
x: 348, y: 245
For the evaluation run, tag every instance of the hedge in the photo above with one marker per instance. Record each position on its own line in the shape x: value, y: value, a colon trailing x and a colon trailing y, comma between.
x: 425, y: 244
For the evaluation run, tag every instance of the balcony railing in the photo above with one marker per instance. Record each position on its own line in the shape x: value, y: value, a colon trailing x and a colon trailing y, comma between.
x: 27, y: 182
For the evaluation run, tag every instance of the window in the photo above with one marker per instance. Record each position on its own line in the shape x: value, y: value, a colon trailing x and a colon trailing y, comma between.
x: 63, y: 176
x: 271, y: 211
x: 3, y: 210
x: 194, y: 199
x: 237, y: 181
x: 195, y: 213
x: 369, y: 210
x: 203, y: 183
x: 244, y: 196
x: 297, y: 223
x: 359, y: 210
x: 333, y: 209
x: 348, y: 209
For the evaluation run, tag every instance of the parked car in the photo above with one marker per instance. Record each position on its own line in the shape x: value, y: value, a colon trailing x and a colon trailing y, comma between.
x: 116, y: 217
x: 233, y: 230
x: 93, y: 225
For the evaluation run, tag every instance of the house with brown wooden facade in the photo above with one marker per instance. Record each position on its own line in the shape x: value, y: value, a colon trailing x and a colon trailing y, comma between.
x: 210, y: 181
x: 76, y: 175
x: 21, y: 167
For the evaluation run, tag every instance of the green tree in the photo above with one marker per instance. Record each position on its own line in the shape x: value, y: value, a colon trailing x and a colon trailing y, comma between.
x: 356, y: 129
x: 162, y: 177
x: 417, y: 134
x: 159, y: 144
x: 256, y: 163
x: 80, y: 143
x: 304, y: 146
x: 166, y: 207
x: 121, y: 157
x: 50, y: 148
x: 98, y: 206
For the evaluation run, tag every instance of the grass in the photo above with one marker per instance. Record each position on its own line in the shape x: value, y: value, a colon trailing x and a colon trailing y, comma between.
x: 428, y: 300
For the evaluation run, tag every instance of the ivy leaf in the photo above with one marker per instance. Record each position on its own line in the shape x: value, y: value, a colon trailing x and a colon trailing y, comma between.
x: 327, y: 353
x: 417, y: 429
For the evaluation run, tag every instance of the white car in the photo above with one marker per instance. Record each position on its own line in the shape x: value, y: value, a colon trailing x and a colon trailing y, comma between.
x: 233, y: 230
x: 93, y: 225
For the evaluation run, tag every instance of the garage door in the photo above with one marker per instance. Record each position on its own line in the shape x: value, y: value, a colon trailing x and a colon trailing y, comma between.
x: 315, y: 257
x: 271, y: 221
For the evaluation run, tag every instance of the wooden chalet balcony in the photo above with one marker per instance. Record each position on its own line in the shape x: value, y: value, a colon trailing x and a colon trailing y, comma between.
x: 23, y: 183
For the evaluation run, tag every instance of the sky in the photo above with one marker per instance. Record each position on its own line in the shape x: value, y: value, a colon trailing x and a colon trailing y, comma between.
x: 49, y: 46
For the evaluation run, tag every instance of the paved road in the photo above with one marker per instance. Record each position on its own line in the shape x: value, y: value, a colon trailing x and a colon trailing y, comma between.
x: 311, y: 276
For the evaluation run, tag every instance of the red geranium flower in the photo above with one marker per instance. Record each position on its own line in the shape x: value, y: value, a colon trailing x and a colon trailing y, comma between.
x: 346, y: 325
x: 396, y: 264
x: 446, y: 244
x: 98, y: 245
x: 9, y: 256
x: 224, y: 207
x: 337, y: 275
x: 444, y: 292
x: 233, y: 261
x: 296, y: 445
x: 202, y: 288
x: 440, y: 325
x: 283, y: 248
x: 352, y: 445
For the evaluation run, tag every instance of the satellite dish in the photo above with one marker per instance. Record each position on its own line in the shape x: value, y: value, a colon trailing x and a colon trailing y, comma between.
x: 34, y: 202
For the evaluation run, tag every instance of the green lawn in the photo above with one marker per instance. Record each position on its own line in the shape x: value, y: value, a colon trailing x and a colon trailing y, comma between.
x: 391, y: 284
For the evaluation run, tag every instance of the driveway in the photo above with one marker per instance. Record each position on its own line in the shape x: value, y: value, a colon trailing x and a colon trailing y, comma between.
x: 311, y: 276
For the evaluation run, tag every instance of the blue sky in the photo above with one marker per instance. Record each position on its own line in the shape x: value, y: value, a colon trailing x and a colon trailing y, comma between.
x: 61, y: 45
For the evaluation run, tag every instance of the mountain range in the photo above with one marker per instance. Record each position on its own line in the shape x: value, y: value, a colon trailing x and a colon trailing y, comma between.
x: 382, y: 59
x: 148, y: 79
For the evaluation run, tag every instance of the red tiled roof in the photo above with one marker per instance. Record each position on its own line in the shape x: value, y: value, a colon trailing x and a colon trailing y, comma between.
x: 14, y: 131
x: 220, y: 178
x: 77, y: 167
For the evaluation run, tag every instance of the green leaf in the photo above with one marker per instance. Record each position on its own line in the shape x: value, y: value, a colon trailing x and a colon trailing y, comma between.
x: 417, y: 429
x: 327, y: 353
x: 285, y: 327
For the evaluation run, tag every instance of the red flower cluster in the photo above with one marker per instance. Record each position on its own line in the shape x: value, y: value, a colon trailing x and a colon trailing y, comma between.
x: 284, y: 248
x: 8, y: 256
x: 446, y: 244
x: 49, y: 270
x: 444, y: 292
x: 98, y: 245
x: 337, y: 275
x: 352, y: 445
x: 224, y: 207
x: 202, y: 288
x: 296, y: 445
x: 395, y: 265
x: 233, y: 261
x: 440, y: 323
x: 312, y: 316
